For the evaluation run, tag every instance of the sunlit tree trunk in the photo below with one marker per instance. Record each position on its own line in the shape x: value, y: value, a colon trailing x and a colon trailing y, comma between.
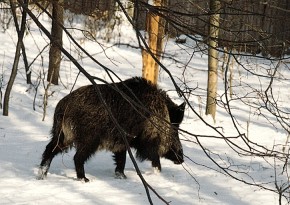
x: 56, y: 33
x: 213, y: 58
x: 155, y: 31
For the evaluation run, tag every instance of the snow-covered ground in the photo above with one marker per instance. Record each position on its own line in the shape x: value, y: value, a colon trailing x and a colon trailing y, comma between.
x: 23, y: 134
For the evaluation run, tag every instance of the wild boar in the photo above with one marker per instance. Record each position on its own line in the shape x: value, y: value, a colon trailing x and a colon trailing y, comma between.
x: 148, y: 117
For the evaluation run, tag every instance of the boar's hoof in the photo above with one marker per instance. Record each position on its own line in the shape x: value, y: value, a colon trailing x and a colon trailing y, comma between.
x: 119, y: 175
x: 84, y: 179
x: 156, y: 170
x: 42, y: 172
x: 40, y: 177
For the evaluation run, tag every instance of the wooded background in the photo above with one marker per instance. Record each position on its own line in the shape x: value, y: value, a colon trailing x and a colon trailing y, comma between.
x: 246, y: 25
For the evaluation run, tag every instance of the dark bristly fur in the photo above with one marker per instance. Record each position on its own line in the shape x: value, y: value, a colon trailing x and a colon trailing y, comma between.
x: 82, y: 120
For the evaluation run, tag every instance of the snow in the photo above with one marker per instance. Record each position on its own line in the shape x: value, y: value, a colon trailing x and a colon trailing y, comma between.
x: 23, y: 134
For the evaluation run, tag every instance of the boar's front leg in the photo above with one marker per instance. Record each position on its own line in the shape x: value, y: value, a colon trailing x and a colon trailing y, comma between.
x: 120, y: 161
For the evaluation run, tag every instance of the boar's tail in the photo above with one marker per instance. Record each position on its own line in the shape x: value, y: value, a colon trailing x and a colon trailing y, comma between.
x: 58, y: 132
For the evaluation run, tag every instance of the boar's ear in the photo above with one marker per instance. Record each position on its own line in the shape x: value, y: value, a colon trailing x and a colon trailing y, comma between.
x: 176, y: 114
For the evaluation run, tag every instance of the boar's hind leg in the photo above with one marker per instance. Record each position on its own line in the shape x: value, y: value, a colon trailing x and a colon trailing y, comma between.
x: 52, y: 149
x: 156, y: 163
x: 120, y: 161
x: 81, y: 156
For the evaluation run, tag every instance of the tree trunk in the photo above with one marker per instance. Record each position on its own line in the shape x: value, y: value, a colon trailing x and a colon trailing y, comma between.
x: 155, y: 31
x: 56, y: 34
x: 213, y: 58
x: 25, y: 61
x: 16, y: 58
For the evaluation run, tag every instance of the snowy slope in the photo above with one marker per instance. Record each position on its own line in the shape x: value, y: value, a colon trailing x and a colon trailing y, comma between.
x: 23, y: 136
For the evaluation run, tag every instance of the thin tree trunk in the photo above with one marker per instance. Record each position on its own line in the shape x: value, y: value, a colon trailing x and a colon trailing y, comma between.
x: 28, y: 71
x: 231, y: 68
x: 16, y: 58
x: 213, y: 58
x: 155, y: 30
x: 26, y: 65
x: 56, y: 33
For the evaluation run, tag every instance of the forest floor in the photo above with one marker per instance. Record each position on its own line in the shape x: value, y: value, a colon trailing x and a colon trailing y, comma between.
x: 23, y: 134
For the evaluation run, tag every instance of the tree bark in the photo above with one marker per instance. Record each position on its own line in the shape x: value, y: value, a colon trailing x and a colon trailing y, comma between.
x: 214, y: 19
x: 16, y: 58
x: 155, y: 31
x: 56, y: 33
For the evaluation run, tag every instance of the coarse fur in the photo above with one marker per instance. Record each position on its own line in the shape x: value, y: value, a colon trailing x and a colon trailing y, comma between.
x: 145, y: 113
